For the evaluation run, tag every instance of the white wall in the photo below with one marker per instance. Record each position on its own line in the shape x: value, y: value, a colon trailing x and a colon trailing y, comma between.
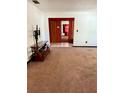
x: 34, y: 17
x: 85, y: 22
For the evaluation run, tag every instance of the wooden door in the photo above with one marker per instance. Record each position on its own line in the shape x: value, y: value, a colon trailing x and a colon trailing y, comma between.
x: 71, y: 31
x: 66, y: 29
x: 55, y: 31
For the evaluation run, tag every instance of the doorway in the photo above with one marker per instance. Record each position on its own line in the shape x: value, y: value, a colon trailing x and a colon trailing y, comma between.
x: 61, y: 30
x: 64, y: 31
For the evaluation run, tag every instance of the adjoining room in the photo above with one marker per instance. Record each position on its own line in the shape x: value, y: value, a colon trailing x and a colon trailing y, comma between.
x: 61, y: 31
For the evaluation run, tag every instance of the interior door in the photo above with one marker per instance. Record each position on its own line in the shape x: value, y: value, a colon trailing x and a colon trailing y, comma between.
x: 71, y: 30
x: 55, y: 31
x: 66, y: 29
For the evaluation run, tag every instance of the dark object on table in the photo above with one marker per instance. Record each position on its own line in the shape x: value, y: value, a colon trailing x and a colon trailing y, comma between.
x: 36, y: 33
x: 39, y: 53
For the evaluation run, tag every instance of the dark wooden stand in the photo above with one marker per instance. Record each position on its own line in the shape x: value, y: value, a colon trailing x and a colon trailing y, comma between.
x: 39, y: 53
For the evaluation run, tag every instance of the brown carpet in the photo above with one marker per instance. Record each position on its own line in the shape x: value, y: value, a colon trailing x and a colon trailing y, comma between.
x: 65, y: 70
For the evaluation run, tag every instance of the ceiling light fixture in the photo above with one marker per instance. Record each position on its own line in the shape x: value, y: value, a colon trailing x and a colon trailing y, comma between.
x: 36, y: 2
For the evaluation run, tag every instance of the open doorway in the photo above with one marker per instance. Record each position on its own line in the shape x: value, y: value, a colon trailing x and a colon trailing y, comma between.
x: 61, y: 30
x: 64, y: 31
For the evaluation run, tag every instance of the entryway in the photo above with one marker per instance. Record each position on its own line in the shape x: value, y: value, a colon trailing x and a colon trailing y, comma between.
x: 61, y: 30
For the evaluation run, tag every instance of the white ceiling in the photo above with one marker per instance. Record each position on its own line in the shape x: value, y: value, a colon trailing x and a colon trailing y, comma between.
x: 66, y: 5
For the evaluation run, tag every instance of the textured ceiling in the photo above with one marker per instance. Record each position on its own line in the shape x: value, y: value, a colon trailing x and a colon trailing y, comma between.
x: 66, y: 5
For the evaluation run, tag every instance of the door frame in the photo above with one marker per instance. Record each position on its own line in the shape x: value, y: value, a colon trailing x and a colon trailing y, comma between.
x: 62, y: 19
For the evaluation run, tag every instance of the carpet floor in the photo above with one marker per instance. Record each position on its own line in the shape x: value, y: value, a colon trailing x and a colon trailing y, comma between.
x: 65, y: 70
